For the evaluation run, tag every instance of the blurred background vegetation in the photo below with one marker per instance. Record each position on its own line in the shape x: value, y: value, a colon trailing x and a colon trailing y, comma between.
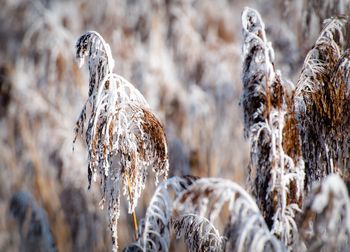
x: 183, y: 55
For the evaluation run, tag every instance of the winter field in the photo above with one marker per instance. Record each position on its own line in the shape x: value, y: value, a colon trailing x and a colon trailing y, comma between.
x: 175, y: 125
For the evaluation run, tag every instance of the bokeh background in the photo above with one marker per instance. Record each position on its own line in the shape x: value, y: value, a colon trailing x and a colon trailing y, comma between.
x: 185, y: 58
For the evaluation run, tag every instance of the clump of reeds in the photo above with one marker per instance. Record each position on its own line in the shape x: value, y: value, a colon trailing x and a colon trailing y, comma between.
x: 322, y: 104
x: 123, y: 136
x: 298, y: 136
x: 276, y: 167
x: 277, y: 118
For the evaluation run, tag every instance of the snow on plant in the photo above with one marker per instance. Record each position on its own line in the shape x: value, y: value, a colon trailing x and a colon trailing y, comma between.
x: 123, y: 136
x: 325, y: 224
x: 276, y: 167
x: 322, y: 103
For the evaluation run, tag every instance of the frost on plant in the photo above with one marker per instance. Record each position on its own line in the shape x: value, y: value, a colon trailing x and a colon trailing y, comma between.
x: 315, y: 12
x: 155, y: 227
x: 325, y: 224
x: 192, y: 207
x: 276, y: 169
x: 322, y: 104
x: 246, y: 229
x: 124, y: 138
x: 199, y: 233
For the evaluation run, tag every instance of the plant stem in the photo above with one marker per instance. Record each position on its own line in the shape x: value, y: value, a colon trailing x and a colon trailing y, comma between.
x: 133, y: 213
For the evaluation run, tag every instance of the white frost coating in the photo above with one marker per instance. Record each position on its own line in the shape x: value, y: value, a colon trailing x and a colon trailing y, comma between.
x: 124, y: 138
x: 207, y: 197
x: 222, y: 191
x: 155, y: 232
x: 98, y: 45
x: 254, y: 30
x: 313, y: 66
x: 191, y: 226
x: 279, y: 179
